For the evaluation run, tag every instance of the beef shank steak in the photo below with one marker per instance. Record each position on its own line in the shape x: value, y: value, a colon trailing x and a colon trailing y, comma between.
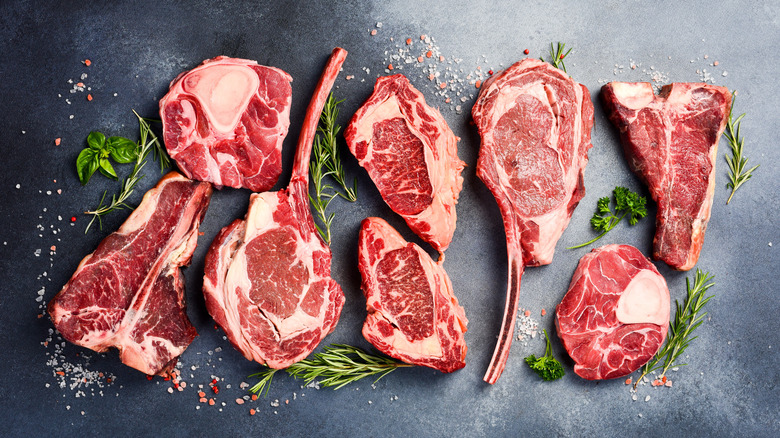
x: 535, y: 124
x: 224, y: 122
x: 615, y: 315
x: 129, y: 293
x: 671, y: 142
x: 267, y: 277
x: 411, y: 155
x: 413, y: 314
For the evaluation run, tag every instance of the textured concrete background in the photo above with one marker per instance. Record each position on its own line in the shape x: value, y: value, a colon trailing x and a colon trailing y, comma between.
x: 729, y: 386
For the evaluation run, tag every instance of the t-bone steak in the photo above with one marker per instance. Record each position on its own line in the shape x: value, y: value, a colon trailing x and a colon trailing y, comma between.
x: 413, y: 314
x: 411, y: 155
x: 224, y: 122
x: 267, y: 278
x: 671, y: 142
x: 535, y: 123
x: 129, y: 293
x: 615, y: 315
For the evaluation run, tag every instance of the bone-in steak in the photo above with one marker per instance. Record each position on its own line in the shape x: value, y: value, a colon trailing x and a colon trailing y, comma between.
x: 411, y: 155
x: 615, y: 315
x: 413, y: 314
x: 267, y: 278
x: 671, y: 142
x: 224, y: 122
x: 535, y: 123
x: 129, y: 293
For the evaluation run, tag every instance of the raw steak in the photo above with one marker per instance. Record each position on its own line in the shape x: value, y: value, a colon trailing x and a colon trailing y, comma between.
x: 224, y: 122
x: 129, y: 293
x: 412, y: 313
x: 615, y: 315
x: 535, y: 124
x: 411, y: 155
x: 671, y: 142
x: 267, y: 278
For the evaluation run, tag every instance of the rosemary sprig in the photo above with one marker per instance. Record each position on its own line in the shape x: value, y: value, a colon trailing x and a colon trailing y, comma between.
x: 687, y: 318
x: 147, y: 143
x: 326, y: 162
x: 737, y: 173
x: 337, y: 365
x: 557, y: 55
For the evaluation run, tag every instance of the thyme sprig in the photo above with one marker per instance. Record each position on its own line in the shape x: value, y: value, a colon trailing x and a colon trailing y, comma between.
x: 326, y: 162
x: 687, y: 318
x: 737, y: 173
x: 337, y: 365
x: 147, y: 143
x: 557, y: 55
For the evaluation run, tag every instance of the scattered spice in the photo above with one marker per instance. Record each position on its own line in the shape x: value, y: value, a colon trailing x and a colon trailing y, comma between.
x: 408, y: 41
x: 89, y: 97
x: 422, y: 37
x: 73, y: 219
x: 428, y: 54
x: 628, y: 381
x: 443, y: 85
x: 252, y: 411
x: 373, y: 33
x: 57, y: 141
x: 526, y: 51
x: 544, y: 312
x: 87, y: 62
x: 477, y: 84
x: 389, y: 66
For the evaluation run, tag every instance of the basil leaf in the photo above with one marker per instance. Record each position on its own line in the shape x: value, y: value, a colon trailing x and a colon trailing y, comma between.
x: 86, y: 165
x: 106, y: 168
x: 123, y: 150
x: 96, y: 140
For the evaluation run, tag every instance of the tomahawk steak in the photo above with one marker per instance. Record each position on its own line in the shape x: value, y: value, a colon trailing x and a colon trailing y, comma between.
x: 413, y: 314
x: 129, y: 293
x: 671, y: 142
x: 224, y: 122
x: 615, y: 315
x: 535, y: 123
x: 267, y: 278
x: 411, y: 155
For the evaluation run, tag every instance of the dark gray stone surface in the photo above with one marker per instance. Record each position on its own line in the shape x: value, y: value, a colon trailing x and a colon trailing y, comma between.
x: 729, y: 387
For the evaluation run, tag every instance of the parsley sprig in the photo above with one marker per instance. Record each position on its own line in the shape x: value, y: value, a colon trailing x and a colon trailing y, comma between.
x: 547, y: 366
x: 148, y: 143
x: 737, y: 173
x: 557, y: 55
x: 627, y: 203
x: 326, y: 162
x: 687, y: 318
x: 337, y: 365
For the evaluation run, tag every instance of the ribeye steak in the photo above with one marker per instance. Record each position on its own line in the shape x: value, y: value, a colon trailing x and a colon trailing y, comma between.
x: 411, y: 155
x: 413, y: 314
x: 129, y: 293
x: 224, y: 122
x: 671, y: 142
x: 267, y: 278
x: 615, y: 315
x: 535, y: 123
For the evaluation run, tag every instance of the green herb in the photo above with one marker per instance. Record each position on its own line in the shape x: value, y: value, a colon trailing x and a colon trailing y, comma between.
x: 557, y: 55
x: 326, y: 162
x: 604, y: 219
x: 687, y: 318
x: 737, y: 173
x: 97, y: 153
x: 147, y: 143
x: 547, y: 366
x: 337, y: 365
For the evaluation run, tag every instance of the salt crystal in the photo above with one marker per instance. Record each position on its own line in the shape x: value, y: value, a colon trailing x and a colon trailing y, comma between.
x: 647, y: 398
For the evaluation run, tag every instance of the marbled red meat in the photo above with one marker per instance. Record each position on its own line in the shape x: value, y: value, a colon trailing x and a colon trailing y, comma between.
x: 267, y: 277
x: 535, y: 124
x: 129, y: 293
x: 615, y: 315
x: 411, y: 155
x: 671, y: 142
x: 224, y: 122
x: 413, y: 314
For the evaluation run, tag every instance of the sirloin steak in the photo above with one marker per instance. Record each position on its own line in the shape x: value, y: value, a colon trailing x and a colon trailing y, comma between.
x: 671, y: 142
x: 535, y: 124
x: 267, y: 278
x: 615, y: 316
x: 411, y: 155
x: 224, y: 122
x: 413, y: 314
x: 129, y: 293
